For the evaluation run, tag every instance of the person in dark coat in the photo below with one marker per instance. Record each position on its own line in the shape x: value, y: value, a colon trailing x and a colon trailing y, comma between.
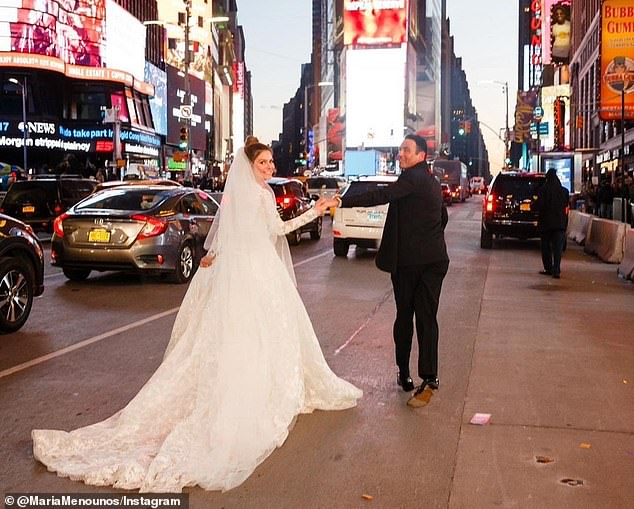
x: 413, y: 251
x: 552, y: 205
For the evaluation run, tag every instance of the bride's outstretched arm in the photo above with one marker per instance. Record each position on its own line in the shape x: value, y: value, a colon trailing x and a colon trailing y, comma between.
x: 279, y: 227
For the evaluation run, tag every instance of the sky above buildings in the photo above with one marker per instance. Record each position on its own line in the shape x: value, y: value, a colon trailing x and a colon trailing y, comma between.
x: 278, y: 41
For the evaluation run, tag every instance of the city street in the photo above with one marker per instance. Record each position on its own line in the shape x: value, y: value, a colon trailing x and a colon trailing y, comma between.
x: 552, y: 361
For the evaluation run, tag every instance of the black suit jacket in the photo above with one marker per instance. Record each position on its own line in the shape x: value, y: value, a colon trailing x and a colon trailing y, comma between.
x: 415, y: 222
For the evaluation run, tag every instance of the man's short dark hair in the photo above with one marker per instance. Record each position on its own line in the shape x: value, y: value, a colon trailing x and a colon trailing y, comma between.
x: 421, y: 144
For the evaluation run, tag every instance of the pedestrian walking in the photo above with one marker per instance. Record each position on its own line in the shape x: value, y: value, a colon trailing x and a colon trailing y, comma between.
x: 552, y: 206
x: 605, y: 196
x: 413, y: 251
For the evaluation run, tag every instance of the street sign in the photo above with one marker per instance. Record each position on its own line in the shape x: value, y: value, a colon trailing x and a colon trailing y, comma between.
x: 186, y: 111
x: 538, y: 113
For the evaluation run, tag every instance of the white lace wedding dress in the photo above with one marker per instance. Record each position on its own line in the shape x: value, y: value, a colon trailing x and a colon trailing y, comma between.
x: 242, y: 363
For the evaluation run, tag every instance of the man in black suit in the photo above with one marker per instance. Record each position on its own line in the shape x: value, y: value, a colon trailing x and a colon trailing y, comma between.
x: 413, y: 251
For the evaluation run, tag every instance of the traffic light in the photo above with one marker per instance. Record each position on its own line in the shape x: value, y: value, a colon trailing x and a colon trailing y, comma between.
x: 184, y: 138
x: 461, y: 128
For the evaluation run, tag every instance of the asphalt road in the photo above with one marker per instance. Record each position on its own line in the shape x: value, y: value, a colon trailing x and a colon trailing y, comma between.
x: 88, y: 348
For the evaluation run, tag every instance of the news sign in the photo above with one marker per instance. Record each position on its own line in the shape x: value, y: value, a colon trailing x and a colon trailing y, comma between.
x: 374, y: 22
x: 617, y: 59
x: 71, y: 30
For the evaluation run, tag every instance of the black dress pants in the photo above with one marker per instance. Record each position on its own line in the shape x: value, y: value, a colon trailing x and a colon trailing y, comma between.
x: 552, y: 246
x: 417, y: 293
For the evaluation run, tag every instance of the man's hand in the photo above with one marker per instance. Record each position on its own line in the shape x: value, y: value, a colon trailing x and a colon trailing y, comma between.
x: 207, y: 260
x: 324, y: 204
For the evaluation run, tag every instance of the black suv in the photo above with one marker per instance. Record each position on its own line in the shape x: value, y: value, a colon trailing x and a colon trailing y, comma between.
x: 38, y: 202
x: 21, y: 272
x: 508, y: 210
x: 292, y: 201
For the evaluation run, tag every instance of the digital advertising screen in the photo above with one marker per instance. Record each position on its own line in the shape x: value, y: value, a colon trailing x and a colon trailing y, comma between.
x: 71, y: 30
x: 176, y: 98
x: 375, y: 97
x: 158, y: 103
x: 557, y: 32
x: 124, y: 42
x: 563, y: 166
x: 374, y: 22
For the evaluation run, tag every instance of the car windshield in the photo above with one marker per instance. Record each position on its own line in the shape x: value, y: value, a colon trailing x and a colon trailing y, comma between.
x: 520, y: 188
x: 322, y: 183
x: 363, y: 186
x: 125, y: 199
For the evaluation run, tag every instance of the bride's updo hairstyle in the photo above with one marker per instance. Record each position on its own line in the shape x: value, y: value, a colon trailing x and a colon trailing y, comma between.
x: 253, y: 148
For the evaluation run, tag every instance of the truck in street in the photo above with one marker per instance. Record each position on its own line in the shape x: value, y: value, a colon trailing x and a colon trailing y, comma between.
x: 454, y: 174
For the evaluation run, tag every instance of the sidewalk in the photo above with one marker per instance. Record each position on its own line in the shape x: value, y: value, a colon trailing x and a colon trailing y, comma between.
x: 554, y: 366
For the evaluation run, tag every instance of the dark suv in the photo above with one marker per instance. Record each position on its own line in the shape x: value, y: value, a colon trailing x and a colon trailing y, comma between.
x: 21, y: 272
x: 292, y: 201
x: 38, y: 202
x: 508, y: 210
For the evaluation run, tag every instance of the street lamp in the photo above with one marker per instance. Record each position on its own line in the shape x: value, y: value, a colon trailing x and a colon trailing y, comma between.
x: 505, y: 84
x: 24, y: 126
x: 306, y: 89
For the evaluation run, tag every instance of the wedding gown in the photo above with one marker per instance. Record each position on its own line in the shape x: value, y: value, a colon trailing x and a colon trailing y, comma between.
x: 242, y: 363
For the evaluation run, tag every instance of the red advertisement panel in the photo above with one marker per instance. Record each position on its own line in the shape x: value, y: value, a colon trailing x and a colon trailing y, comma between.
x: 335, y: 129
x: 71, y: 30
x: 374, y: 22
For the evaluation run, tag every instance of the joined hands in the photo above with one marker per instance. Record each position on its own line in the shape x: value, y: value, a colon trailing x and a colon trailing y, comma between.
x: 324, y: 204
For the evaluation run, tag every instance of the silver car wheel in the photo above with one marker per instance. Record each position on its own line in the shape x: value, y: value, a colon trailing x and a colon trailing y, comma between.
x: 14, y: 296
x: 187, y: 261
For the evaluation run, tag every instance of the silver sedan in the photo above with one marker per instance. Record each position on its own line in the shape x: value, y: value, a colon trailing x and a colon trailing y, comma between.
x: 155, y: 229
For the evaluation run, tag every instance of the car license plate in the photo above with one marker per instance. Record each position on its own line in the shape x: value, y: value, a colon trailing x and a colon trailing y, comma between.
x: 28, y: 209
x: 99, y: 236
x: 375, y: 216
x: 525, y: 207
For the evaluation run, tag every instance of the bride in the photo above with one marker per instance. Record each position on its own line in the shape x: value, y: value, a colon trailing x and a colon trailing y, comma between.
x: 243, y: 361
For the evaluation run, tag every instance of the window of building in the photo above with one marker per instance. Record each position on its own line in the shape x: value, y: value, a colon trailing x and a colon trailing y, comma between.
x: 181, y: 18
x: 87, y: 103
x: 200, y: 21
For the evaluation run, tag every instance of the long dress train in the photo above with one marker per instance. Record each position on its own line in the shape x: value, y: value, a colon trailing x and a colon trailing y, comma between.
x: 242, y: 363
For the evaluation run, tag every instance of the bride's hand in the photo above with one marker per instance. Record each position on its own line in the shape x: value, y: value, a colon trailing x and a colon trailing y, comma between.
x: 324, y: 204
x: 207, y: 260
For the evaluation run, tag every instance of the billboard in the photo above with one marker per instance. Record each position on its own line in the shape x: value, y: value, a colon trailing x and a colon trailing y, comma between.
x: 375, y: 97
x: 617, y: 59
x: 374, y: 22
x: 557, y: 34
x: 334, y: 135
x: 71, y: 30
x: 125, y: 41
x: 158, y: 103
x: 555, y: 102
x: 175, y: 99
x: 238, y: 104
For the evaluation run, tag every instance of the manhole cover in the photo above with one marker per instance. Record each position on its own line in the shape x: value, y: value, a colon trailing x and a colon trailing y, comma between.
x: 572, y: 482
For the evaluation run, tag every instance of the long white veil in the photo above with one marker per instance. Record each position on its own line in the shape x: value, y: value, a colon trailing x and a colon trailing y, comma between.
x: 241, y: 221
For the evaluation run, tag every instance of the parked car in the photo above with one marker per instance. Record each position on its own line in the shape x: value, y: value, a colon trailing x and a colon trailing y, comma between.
x: 508, y: 209
x: 147, y: 182
x: 362, y: 226
x: 21, y: 272
x: 38, y: 202
x: 292, y: 201
x: 152, y: 229
x: 446, y: 194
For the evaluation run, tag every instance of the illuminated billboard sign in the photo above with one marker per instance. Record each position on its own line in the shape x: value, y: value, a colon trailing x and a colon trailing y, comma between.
x: 158, y: 103
x: 556, y: 41
x: 125, y: 41
x: 375, y: 97
x: 617, y: 59
x: 175, y: 99
x: 536, y: 48
x: 238, y: 103
x: 374, y: 22
x: 555, y: 103
x: 71, y: 30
